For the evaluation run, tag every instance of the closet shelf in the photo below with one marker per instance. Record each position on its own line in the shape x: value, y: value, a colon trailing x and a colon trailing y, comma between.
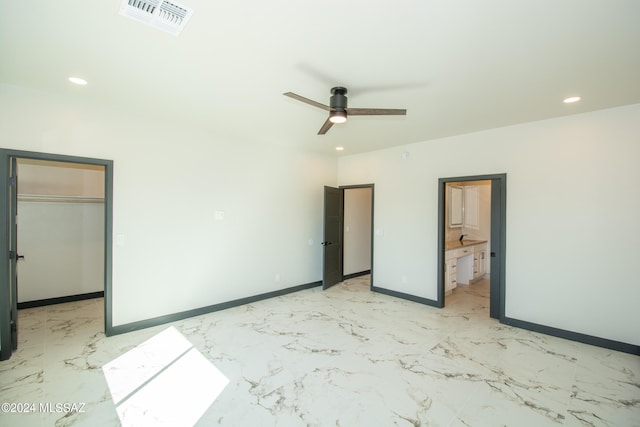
x: 60, y: 199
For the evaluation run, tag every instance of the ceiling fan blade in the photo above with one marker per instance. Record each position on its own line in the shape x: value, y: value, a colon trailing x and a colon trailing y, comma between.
x: 376, y: 112
x: 307, y: 100
x: 325, y: 127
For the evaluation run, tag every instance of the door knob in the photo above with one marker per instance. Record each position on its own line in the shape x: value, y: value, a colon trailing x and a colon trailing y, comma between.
x: 14, y: 254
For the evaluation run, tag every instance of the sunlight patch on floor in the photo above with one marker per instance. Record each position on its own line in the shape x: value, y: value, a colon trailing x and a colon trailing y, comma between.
x: 164, y: 381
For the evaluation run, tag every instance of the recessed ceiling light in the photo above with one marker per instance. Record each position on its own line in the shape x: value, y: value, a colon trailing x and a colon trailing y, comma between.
x: 571, y: 99
x: 339, y: 148
x: 78, y: 81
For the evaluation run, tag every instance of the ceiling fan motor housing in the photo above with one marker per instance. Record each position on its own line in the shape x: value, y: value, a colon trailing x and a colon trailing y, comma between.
x: 338, y: 100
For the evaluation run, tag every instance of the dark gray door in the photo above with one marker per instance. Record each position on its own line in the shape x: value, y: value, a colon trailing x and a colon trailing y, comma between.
x: 13, y: 251
x: 497, y: 249
x: 332, y: 244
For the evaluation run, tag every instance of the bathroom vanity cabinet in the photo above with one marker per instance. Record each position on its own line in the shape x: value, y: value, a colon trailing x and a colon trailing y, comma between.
x: 479, y: 261
x: 450, y: 273
x: 465, y: 262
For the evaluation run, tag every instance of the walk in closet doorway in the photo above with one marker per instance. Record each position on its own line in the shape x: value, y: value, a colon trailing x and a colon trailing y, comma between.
x: 73, y: 265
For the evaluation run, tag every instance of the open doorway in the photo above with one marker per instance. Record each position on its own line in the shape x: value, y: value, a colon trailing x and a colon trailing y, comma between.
x: 348, y: 233
x: 471, y: 237
x: 9, y: 233
x: 60, y: 225
x: 358, y: 223
x: 467, y: 236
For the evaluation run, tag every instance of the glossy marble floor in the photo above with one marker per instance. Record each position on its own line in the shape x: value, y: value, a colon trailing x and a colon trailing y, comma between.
x: 343, y: 357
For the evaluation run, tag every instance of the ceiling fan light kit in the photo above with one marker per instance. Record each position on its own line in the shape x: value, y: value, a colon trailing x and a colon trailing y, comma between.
x: 338, y: 117
x: 338, y: 110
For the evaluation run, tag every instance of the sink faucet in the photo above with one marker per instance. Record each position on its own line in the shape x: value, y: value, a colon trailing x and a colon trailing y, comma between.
x: 462, y: 237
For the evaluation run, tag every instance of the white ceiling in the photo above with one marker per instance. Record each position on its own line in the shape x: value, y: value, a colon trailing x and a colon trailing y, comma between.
x: 457, y: 66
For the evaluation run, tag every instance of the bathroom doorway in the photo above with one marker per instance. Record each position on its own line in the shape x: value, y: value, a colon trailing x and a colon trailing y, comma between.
x: 471, y: 233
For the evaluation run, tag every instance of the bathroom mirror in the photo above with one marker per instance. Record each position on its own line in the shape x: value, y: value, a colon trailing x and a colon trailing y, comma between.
x: 456, y: 206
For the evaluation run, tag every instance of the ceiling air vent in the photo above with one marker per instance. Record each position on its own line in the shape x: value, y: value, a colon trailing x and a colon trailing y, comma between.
x: 161, y: 14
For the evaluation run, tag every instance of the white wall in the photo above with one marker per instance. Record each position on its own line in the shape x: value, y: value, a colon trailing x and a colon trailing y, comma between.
x: 63, y: 246
x: 357, y: 230
x: 169, y: 180
x: 572, y: 209
x: 572, y: 216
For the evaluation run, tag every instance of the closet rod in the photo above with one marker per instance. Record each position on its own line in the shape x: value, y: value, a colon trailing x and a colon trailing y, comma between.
x: 60, y: 199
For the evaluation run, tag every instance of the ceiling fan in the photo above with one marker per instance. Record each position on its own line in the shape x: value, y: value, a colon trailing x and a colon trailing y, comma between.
x: 338, y: 110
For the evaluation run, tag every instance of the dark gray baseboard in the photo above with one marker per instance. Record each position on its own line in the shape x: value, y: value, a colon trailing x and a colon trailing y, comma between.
x: 142, y: 324
x: 59, y: 300
x: 548, y: 330
x: 353, y: 275
x: 421, y: 300
x: 574, y: 336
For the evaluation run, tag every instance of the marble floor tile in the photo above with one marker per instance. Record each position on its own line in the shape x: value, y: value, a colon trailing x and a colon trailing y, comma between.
x: 341, y: 357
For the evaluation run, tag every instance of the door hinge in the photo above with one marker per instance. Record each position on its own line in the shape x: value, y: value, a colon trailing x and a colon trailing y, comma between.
x: 12, y: 181
x: 12, y: 254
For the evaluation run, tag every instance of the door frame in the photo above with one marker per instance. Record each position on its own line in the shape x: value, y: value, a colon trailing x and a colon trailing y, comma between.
x: 372, y: 187
x: 5, y: 301
x: 498, y: 238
